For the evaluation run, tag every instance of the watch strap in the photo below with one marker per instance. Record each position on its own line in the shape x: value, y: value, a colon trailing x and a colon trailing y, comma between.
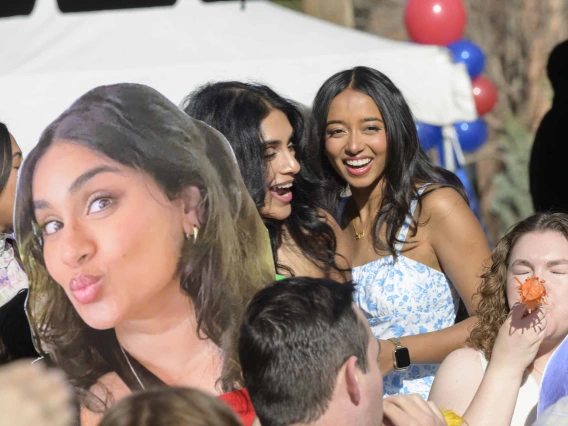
x: 396, y: 343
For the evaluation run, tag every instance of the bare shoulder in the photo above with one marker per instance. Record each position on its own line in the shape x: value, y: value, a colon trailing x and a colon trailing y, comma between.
x: 457, y: 380
x: 468, y: 357
x: 442, y: 201
x: 447, y: 214
x: 461, y: 367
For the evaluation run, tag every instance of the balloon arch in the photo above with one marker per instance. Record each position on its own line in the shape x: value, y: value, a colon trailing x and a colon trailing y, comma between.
x: 442, y: 23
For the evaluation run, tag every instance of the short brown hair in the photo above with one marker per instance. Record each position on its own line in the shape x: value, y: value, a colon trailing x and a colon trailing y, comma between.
x: 493, y: 307
x: 170, y: 407
x: 295, y: 337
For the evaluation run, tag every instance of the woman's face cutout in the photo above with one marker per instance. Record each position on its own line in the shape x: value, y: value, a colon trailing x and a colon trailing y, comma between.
x: 111, y: 237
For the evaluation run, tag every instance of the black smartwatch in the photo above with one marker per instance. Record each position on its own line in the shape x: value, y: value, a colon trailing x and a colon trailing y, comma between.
x: 401, y: 355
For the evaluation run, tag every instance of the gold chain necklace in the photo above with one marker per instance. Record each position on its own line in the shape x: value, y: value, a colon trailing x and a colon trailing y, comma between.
x: 358, y: 235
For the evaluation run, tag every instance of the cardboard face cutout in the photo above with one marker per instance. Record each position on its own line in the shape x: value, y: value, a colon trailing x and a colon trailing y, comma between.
x: 137, y: 127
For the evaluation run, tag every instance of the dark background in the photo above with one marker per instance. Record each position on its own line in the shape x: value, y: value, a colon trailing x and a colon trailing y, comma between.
x: 25, y: 7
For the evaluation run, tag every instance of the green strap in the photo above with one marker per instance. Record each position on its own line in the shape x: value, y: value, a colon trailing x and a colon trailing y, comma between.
x: 280, y: 277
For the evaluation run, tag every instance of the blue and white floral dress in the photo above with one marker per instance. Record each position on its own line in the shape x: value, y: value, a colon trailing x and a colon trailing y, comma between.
x: 405, y: 298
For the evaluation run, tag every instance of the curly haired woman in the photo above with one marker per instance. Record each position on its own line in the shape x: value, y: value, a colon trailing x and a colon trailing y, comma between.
x: 497, y: 379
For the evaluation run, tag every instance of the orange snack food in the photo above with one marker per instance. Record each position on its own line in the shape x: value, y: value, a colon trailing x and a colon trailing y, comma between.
x: 532, y: 293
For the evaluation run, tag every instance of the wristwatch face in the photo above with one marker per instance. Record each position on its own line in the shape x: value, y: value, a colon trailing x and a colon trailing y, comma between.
x: 402, y: 357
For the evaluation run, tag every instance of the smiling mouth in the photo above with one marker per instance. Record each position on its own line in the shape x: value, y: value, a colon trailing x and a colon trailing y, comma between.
x: 359, y: 166
x: 282, y: 192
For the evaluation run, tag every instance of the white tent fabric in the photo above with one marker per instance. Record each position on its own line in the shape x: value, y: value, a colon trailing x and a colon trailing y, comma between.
x: 49, y: 58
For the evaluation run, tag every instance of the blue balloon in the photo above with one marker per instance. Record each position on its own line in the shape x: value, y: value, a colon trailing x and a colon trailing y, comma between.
x: 430, y: 136
x: 472, y: 135
x: 470, y: 54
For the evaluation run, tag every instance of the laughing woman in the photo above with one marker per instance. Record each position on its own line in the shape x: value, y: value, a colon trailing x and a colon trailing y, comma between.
x: 416, y: 245
x: 269, y: 137
x: 142, y: 246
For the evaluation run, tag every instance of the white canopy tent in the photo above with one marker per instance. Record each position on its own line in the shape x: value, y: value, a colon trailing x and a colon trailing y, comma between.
x: 49, y: 58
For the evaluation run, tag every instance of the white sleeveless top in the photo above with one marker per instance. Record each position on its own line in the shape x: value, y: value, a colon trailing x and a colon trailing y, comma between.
x: 404, y: 297
x: 527, y: 400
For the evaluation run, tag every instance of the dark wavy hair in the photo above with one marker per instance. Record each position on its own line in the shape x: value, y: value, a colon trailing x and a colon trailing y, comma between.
x: 5, y: 156
x: 493, y: 307
x: 139, y: 128
x: 237, y: 110
x: 407, y: 164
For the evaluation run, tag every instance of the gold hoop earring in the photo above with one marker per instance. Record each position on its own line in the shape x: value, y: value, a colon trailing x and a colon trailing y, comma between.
x: 195, y: 233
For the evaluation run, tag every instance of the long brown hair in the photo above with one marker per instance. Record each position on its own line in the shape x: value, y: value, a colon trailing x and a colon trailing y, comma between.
x: 493, y: 307
x: 170, y: 407
x: 138, y: 127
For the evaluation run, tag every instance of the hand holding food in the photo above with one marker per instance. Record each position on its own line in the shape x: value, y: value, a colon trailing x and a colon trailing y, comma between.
x: 532, y: 293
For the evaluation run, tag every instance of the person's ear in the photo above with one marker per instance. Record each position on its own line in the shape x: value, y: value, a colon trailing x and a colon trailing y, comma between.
x: 351, y: 380
x: 190, y: 199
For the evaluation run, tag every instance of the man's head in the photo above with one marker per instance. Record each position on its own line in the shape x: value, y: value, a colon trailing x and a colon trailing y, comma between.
x: 307, y: 354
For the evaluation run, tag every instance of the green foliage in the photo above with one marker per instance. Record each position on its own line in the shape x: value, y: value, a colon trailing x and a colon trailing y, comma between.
x: 292, y: 4
x: 512, y: 201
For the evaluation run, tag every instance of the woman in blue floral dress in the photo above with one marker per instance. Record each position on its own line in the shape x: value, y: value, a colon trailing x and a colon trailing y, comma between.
x: 416, y: 246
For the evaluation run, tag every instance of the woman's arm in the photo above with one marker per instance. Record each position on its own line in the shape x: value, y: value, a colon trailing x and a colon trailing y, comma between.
x: 458, y: 241
x: 490, y: 399
x: 457, y: 380
x: 515, y: 348
x: 427, y: 348
x: 461, y: 250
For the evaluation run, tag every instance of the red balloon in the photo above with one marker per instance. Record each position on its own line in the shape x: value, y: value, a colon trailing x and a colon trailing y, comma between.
x: 439, y: 22
x: 484, y: 95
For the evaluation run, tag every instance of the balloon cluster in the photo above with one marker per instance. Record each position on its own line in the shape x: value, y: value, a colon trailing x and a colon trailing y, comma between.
x: 442, y: 23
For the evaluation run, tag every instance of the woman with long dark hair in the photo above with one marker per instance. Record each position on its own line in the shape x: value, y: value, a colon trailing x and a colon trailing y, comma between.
x: 142, y: 247
x: 269, y: 135
x: 416, y: 246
